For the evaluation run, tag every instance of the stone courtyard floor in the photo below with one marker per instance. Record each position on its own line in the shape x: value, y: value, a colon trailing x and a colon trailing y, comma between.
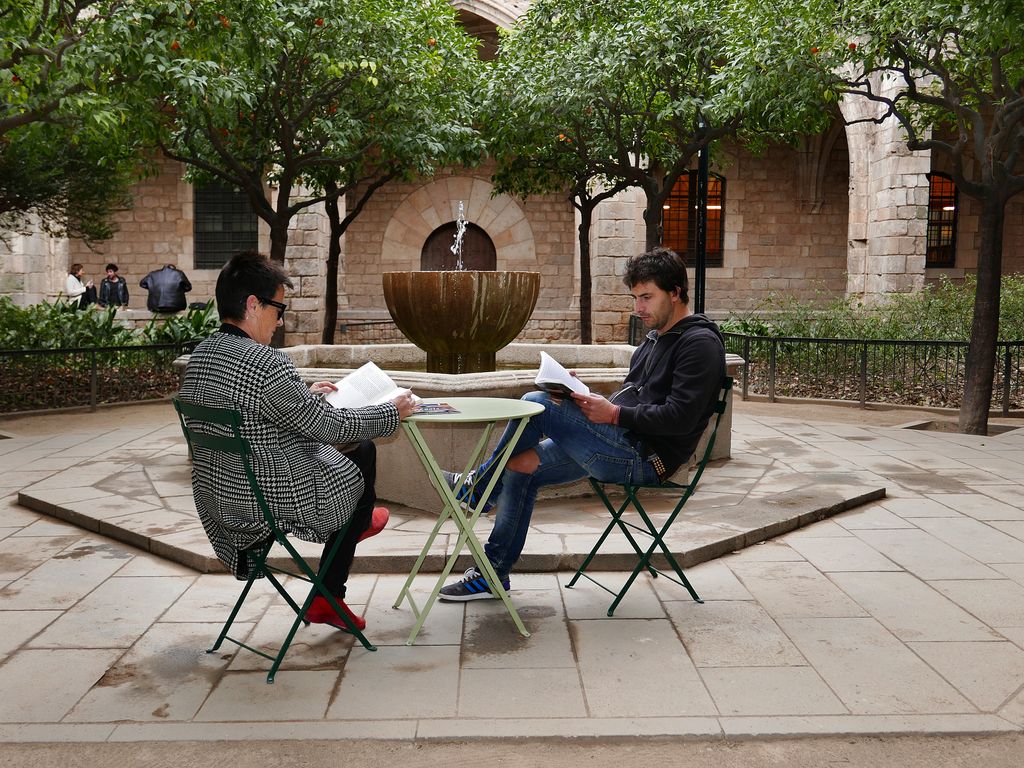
x: 903, y: 614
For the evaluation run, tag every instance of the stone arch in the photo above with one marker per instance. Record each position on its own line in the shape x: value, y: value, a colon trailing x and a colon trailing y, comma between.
x: 436, y: 203
x: 497, y: 12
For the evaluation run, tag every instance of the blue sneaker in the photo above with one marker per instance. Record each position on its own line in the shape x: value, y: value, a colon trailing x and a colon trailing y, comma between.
x: 472, y: 587
x: 468, y: 493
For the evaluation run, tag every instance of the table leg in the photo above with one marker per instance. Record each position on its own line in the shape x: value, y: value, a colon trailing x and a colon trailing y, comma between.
x: 465, y: 524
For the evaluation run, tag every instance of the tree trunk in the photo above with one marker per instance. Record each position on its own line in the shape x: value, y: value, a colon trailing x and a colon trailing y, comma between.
x: 586, y: 209
x: 981, y: 355
x: 652, y: 223
x: 333, y: 260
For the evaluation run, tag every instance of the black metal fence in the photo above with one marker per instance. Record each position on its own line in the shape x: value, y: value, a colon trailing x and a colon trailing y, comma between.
x: 929, y: 373
x: 370, y: 332
x: 44, y: 379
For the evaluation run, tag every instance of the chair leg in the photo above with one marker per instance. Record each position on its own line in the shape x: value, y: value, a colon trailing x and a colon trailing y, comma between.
x: 254, y: 571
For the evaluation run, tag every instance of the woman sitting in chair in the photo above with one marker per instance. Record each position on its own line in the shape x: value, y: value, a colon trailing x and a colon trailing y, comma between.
x: 312, y: 488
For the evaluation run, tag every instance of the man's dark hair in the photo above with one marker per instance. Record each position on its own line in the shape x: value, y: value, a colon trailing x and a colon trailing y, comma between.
x: 247, y: 274
x: 661, y: 266
x: 110, y: 266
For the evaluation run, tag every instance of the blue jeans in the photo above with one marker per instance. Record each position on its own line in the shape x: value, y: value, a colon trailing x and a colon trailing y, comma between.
x: 570, y: 447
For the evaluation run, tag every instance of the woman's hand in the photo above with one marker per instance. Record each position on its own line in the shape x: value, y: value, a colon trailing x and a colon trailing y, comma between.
x: 597, y: 409
x: 406, y: 404
x: 322, y: 388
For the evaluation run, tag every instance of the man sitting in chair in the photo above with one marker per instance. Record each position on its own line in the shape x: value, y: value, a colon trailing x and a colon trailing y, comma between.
x: 312, y: 489
x: 642, y: 434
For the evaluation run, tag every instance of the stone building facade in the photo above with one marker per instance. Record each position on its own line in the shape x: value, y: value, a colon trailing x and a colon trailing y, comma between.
x: 845, y: 212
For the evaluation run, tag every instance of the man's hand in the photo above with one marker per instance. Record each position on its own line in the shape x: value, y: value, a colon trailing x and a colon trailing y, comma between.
x: 405, y: 403
x: 597, y: 409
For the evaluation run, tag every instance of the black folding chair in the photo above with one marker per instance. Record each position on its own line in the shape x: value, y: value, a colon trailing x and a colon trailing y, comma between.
x: 649, y: 528
x: 229, y: 422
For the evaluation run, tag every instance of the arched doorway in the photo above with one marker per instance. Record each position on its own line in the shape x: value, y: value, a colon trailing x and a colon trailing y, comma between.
x: 478, y: 250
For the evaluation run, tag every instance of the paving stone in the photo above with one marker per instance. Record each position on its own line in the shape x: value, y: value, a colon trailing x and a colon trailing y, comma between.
x: 874, y: 517
x: 245, y: 696
x: 732, y: 634
x: 22, y: 626
x: 770, y: 691
x: 67, y: 577
x: 997, y: 603
x: 979, y: 506
x: 637, y: 668
x: 165, y: 676
x: 986, y: 673
x: 56, y: 679
x: 976, y: 539
x: 398, y: 682
x: 923, y: 555
x: 841, y: 554
x: 870, y: 671
x: 794, y: 589
x: 491, y: 640
x: 712, y: 580
x: 502, y: 693
x: 114, y: 615
x: 911, y: 609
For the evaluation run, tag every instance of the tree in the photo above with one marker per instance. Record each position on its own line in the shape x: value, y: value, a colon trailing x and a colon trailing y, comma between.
x: 315, y: 98
x: 599, y: 96
x: 65, y: 152
x: 958, y: 69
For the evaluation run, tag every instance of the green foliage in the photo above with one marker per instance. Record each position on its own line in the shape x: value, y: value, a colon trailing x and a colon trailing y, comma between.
x: 60, y: 325
x: 67, y: 153
x: 938, y: 312
x: 303, y: 91
x: 195, y: 324
x: 586, y: 93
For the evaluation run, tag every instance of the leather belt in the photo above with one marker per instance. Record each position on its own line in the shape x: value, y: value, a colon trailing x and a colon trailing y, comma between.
x: 659, y: 466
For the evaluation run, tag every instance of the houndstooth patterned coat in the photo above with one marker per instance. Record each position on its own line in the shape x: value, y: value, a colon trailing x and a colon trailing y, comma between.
x: 311, y: 488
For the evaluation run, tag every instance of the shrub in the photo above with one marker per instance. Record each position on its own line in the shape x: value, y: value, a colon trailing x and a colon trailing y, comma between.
x: 60, y: 325
x: 938, y: 312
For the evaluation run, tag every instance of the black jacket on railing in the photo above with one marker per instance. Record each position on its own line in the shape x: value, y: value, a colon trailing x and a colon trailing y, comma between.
x: 167, y: 288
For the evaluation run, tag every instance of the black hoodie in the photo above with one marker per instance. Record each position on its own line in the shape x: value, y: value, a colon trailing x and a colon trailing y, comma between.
x: 679, y: 374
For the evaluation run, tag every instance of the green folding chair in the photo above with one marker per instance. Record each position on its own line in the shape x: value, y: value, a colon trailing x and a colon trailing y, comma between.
x: 226, y: 420
x: 648, y: 528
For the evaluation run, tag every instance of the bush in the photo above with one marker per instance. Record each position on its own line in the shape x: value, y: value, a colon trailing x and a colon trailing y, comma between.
x: 938, y: 312
x: 60, y: 325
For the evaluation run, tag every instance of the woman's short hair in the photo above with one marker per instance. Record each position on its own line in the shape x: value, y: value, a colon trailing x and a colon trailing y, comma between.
x: 247, y: 274
x: 75, y: 268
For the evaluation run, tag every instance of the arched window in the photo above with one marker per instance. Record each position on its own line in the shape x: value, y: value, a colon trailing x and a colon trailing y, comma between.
x: 679, y: 219
x: 942, y: 214
x: 477, y: 249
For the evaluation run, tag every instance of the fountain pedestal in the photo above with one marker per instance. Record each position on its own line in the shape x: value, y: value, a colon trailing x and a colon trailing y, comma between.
x: 461, y: 318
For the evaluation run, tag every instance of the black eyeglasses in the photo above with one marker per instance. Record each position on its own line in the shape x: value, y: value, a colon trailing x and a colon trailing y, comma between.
x: 275, y: 304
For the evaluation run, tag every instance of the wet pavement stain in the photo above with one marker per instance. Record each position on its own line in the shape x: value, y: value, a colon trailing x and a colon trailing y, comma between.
x: 496, y: 634
x: 106, y: 550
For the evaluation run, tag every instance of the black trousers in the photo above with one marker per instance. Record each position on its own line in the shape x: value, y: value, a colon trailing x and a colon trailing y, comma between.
x: 364, y: 456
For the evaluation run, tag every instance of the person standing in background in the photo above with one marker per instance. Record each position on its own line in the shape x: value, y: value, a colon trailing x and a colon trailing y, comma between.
x: 113, y: 289
x: 79, y: 294
x: 167, y: 288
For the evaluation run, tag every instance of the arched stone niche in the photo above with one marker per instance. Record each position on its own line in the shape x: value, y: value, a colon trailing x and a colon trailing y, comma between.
x: 437, y: 203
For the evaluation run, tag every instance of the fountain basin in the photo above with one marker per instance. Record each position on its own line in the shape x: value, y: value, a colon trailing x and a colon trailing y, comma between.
x: 400, y: 478
x: 461, y: 318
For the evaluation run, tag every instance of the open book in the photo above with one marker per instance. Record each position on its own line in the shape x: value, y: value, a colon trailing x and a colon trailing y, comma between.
x: 367, y: 385
x: 552, y: 377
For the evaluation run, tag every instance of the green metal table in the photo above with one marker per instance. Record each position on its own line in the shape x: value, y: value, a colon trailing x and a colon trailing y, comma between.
x: 486, y: 411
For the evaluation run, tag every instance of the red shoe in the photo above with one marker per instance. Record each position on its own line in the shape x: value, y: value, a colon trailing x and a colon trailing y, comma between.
x: 377, y: 522
x: 320, y: 612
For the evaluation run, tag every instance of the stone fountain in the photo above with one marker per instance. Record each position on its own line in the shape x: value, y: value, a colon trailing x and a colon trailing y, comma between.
x: 460, y: 317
